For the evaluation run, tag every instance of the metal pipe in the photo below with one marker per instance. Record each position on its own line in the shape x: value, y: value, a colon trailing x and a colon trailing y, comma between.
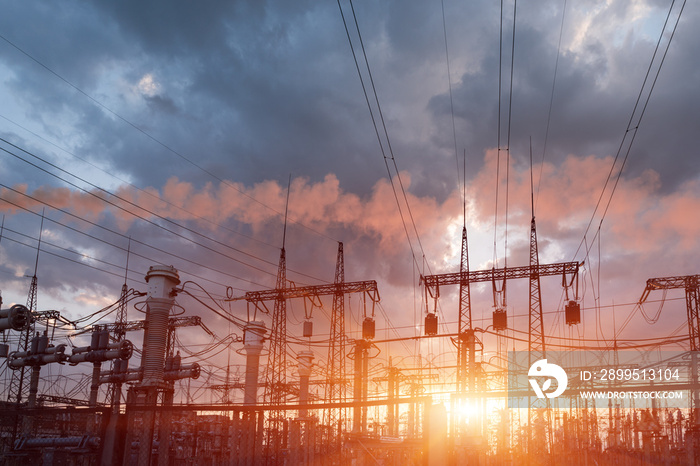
x: 16, y: 317
x: 94, y: 383
x: 47, y: 355
x: 60, y: 442
x: 186, y: 371
x: 123, y: 350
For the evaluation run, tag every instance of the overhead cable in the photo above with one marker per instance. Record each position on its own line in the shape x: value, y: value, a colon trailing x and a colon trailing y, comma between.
x: 154, y: 139
x: 148, y: 211
x: 386, y: 135
x: 141, y: 190
x: 58, y: 209
x: 632, y: 127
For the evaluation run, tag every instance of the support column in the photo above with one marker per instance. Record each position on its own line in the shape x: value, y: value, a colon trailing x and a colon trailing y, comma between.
x: 253, y: 345
x: 252, y: 426
x: 92, y: 424
x: 470, y: 341
x: 164, y: 433
x: 691, y: 434
x: 305, y: 364
x: 392, y: 408
x: 360, y: 387
x: 28, y: 421
x: 95, y: 383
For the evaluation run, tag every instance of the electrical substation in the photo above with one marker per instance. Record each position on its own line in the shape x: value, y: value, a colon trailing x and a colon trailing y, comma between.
x: 287, y: 407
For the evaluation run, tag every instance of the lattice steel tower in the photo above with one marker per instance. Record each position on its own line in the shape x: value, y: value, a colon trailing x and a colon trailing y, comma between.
x: 465, y: 363
x: 335, y: 387
x: 536, y: 346
x: 18, y: 390
x: 276, y: 372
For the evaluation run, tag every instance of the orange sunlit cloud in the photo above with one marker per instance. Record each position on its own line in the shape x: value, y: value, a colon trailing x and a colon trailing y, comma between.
x: 640, y: 218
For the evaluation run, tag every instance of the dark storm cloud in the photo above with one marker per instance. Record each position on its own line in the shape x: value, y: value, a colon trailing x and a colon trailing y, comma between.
x: 256, y: 94
x: 256, y: 90
x: 596, y: 87
x: 69, y: 38
x: 165, y: 29
x: 160, y: 104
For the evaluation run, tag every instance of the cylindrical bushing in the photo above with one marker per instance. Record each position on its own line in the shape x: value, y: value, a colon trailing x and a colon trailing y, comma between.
x: 161, y: 282
x: 305, y: 364
x: 253, y: 345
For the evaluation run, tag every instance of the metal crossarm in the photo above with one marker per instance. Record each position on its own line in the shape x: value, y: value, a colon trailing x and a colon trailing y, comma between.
x: 510, y: 273
x: 369, y: 286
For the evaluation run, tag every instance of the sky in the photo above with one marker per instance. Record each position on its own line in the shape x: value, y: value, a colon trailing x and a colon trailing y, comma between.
x: 182, y: 132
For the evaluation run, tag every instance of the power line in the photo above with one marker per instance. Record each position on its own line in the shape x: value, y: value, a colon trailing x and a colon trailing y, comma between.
x: 186, y: 238
x: 141, y: 190
x: 127, y: 202
x: 111, y: 245
x: 237, y: 321
x: 551, y: 99
x: 632, y: 344
x: 154, y: 139
x: 385, y: 132
x: 632, y: 129
x: 63, y: 257
x: 449, y: 83
x: 113, y: 232
x: 56, y: 246
x: 508, y: 134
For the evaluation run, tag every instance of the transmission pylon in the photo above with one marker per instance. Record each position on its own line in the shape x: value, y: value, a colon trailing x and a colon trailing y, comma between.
x: 538, y: 415
x: 335, y: 388
x: 114, y: 391
x: 691, y: 284
x: 465, y: 357
x: 18, y: 390
x: 278, y: 354
x: 277, y: 367
x: 536, y: 346
x: 276, y: 370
